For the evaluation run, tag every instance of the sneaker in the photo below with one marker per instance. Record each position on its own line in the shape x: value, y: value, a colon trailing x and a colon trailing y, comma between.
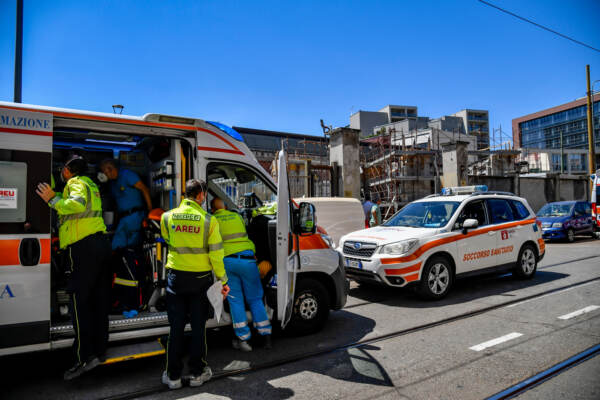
x: 241, y: 345
x: 91, y: 364
x: 172, y: 383
x: 74, y: 372
x: 198, y: 380
x: 267, y: 342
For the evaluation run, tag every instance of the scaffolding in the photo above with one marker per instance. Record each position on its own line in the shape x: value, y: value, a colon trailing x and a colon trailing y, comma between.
x: 399, y: 168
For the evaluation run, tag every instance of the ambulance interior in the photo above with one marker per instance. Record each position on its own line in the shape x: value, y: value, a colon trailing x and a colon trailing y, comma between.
x: 163, y: 164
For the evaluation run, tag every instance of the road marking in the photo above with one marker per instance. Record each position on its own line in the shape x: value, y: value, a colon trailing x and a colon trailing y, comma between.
x: 579, y: 312
x: 493, y: 342
x: 550, y: 294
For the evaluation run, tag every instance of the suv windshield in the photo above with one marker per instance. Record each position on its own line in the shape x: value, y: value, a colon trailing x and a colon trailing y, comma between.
x: 555, y: 210
x: 424, y: 214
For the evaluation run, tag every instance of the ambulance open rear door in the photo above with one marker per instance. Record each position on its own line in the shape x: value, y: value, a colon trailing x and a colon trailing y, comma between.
x: 287, y: 253
x: 25, y: 160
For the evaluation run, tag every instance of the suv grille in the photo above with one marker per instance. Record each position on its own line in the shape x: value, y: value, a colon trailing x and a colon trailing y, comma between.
x: 359, y: 249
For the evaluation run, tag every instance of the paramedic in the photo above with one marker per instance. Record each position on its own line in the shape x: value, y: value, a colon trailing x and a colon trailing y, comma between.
x: 127, y: 190
x: 195, y: 251
x: 82, y: 236
x: 244, y: 278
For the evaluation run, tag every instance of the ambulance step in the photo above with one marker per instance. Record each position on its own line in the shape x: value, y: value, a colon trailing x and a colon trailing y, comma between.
x: 117, y: 323
x: 133, y: 351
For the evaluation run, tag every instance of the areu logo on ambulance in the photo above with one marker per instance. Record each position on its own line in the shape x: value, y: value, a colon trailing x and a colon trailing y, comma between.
x: 431, y: 242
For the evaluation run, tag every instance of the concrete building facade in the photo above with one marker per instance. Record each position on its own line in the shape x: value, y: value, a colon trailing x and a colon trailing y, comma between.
x: 477, y: 123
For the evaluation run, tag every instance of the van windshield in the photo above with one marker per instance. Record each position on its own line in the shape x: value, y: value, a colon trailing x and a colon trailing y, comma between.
x: 555, y: 210
x: 424, y: 214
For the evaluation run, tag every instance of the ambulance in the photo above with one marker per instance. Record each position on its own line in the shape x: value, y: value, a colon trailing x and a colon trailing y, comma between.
x: 308, y: 275
x: 595, y: 200
x: 461, y: 232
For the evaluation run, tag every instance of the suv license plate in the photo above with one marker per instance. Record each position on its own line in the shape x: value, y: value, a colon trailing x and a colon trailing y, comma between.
x: 353, y: 263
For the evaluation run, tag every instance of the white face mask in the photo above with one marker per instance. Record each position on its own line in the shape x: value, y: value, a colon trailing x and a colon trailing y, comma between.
x: 102, y: 178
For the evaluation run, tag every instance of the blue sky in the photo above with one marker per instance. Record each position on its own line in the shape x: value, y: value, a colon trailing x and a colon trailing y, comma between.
x: 284, y: 65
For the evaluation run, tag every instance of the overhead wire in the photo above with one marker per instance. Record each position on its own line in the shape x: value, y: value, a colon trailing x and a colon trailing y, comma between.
x: 539, y: 25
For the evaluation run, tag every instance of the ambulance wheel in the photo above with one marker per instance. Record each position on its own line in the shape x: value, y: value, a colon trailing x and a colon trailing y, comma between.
x: 310, y: 308
x: 526, y: 263
x: 436, y: 279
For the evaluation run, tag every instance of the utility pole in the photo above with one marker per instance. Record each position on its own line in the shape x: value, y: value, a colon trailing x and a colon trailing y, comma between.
x: 19, y: 52
x: 590, y: 125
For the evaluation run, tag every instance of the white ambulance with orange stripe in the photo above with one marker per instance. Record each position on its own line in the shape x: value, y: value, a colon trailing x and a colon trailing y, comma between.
x: 595, y: 200
x: 165, y: 151
x: 431, y: 242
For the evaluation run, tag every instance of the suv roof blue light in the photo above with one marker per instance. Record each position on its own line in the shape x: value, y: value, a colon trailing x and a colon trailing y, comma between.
x: 227, y: 129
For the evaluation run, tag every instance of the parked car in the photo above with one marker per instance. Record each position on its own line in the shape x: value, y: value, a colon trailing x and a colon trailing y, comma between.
x: 566, y: 219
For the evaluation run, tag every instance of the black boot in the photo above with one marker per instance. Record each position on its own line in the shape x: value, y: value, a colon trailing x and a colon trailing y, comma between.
x: 267, y: 342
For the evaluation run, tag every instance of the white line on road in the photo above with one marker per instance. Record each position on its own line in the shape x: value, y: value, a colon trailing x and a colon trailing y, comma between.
x: 496, y: 341
x: 551, y: 294
x: 579, y: 312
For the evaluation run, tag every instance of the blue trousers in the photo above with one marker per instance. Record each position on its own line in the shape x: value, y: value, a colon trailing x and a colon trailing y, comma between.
x: 128, y: 231
x: 244, y: 282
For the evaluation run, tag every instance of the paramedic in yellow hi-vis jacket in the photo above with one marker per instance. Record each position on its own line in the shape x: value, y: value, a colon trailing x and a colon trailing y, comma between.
x: 82, y: 235
x: 195, y: 251
x: 244, y: 278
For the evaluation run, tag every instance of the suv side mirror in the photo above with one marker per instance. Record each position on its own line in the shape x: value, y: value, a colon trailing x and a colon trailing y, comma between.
x: 306, y: 222
x: 469, y: 223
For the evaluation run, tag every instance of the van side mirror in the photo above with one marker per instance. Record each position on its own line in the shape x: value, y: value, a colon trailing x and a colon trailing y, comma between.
x: 469, y: 224
x: 306, y: 222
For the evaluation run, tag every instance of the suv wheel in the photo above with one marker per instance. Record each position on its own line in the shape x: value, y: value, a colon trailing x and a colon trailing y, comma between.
x: 310, y: 308
x: 436, y: 279
x: 526, y: 263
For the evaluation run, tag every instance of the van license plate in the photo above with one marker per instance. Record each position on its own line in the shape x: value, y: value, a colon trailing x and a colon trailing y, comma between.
x: 353, y: 263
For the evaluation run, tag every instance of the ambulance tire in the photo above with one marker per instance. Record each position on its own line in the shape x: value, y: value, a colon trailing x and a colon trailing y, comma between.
x: 310, y: 308
x: 440, y: 271
x: 526, y: 263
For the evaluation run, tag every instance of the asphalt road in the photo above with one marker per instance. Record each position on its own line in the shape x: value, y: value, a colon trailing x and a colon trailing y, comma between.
x: 470, y: 358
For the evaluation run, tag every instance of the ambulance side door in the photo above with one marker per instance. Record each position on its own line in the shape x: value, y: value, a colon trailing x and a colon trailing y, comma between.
x: 474, y: 248
x: 25, y: 160
x: 287, y: 253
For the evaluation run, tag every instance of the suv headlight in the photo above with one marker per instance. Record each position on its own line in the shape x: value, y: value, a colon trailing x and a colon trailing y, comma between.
x: 399, y: 248
x: 557, y: 225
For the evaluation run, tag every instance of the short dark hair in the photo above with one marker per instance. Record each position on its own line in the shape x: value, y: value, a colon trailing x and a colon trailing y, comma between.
x: 193, y: 187
x: 367, y: 196
x: 76, y: 164
x: 109, y: 161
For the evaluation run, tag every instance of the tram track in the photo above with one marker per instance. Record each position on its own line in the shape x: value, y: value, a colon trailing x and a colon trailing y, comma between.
x: 357, y: 344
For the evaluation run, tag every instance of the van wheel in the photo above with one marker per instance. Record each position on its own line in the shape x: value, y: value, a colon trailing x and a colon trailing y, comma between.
x: 570, y: 236
x: 436, y: 279
x: 526, y: 263
x: 310, y: 308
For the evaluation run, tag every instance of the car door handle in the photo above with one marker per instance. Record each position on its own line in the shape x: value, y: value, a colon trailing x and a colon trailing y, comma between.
x: 491, y: 233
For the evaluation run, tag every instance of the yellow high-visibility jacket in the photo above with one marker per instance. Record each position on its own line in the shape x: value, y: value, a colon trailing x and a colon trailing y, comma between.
x: 193, y: 239
x: 233, y: 232
x: 79, y: 210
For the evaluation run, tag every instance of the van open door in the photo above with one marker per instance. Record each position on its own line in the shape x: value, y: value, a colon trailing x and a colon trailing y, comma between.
x: 287, y: 253
x: 25, y: 160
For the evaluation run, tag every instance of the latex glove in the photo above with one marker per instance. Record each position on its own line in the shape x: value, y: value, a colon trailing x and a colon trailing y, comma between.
x: 45, y: 191
x: 225, y: 291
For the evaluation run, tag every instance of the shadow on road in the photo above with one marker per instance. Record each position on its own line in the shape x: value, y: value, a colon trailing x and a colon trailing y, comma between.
x: 463, y: 291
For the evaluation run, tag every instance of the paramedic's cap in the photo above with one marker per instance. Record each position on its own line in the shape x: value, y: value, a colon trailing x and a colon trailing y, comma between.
x: 193, y: 187
x: 76, y: 164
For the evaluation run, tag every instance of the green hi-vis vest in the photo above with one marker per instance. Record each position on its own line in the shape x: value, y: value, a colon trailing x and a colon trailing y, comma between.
x: 193, y: 239
x: 233, y: 232
x: 79, y: 210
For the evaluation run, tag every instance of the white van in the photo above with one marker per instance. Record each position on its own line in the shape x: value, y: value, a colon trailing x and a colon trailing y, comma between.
x: 164, y: 151
x: 595, y: 200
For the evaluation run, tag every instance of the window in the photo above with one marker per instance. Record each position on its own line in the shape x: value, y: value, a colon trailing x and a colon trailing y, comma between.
x: 521, y: 212
x: 473, y: 210
x: 580, y: 209
x: 500, y: 211
x: 424, y: 214
x: 238, y: 186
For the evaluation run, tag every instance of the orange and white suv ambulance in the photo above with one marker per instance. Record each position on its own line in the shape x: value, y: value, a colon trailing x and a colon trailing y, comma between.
x: 430, y: 242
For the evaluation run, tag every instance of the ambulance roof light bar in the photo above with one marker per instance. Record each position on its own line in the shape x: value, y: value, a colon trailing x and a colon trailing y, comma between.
x: 456, y: 190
